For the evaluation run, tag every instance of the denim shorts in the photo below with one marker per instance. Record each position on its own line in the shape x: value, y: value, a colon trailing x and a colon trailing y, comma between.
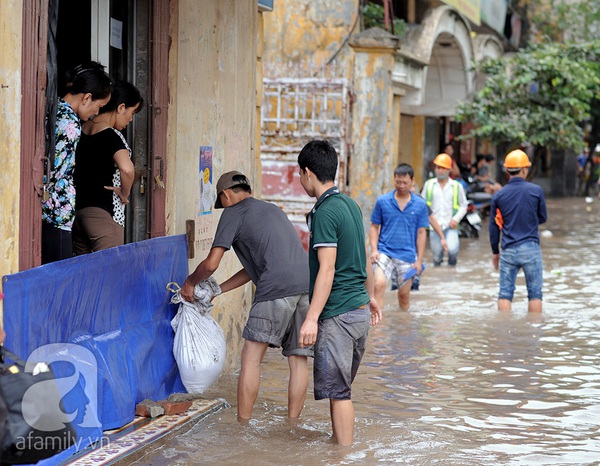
x: 341, y: 343
x: 526, y: 256
x: 278, y: 323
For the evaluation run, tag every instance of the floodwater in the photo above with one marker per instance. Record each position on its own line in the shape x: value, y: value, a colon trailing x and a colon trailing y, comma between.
x: 452, y: 381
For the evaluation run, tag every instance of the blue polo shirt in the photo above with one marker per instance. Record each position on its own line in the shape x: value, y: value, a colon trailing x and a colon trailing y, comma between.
x: 523, y: 208
x: 398, y: 233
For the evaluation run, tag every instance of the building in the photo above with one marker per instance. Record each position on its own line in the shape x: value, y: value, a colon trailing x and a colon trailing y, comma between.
x: 197, y: 63
x: 382, y: 98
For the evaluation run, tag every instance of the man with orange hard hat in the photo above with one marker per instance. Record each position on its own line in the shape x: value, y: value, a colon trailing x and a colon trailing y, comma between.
x: 446, y: 198
x: 516, y: 212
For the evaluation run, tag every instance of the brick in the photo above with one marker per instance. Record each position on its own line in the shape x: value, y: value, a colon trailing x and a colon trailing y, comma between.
x: 149, y: 408
x: 175, y: 408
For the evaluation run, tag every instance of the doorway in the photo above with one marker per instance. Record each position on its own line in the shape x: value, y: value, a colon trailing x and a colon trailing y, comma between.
x: 142, y: 58
x: 106, y: 31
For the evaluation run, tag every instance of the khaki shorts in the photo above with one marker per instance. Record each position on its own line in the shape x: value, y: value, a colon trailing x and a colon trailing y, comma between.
x: 278, y: 322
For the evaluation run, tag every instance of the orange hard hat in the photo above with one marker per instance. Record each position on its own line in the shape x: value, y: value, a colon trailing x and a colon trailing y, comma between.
x: 443, y: 160
x: 517, y: 159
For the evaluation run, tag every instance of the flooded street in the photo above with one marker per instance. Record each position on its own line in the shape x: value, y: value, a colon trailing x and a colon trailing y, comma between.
x: 452, y: 381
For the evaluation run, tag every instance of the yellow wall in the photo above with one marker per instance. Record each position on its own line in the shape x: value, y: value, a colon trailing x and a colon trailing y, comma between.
x: 212, y: 76
x: 302, y: 35
x: 373, y: 126
x: 411, y: 145
x: 10, y: 128
x: 418, y: 145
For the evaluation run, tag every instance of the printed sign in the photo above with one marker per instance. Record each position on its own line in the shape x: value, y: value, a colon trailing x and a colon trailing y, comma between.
x: 204, y: 222
x: 207, y: 192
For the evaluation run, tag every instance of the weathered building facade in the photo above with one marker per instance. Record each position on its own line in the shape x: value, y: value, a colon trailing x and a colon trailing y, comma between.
x: 403, y: 90
x: 380, y: 98
x: 198, y: 65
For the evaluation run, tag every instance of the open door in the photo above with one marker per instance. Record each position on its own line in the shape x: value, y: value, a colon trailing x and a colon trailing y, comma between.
x: 129, y: 37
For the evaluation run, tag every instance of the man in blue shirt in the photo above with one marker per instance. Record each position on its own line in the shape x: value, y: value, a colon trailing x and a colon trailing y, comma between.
x: 516, y: 211
x: 398, y: 234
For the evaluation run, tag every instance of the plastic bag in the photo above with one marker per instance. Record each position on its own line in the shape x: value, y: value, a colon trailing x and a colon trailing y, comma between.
x: 35, y: 425
x: 199, y: 345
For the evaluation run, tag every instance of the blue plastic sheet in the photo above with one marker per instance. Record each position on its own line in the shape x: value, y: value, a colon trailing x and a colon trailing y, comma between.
x: 113, y: 307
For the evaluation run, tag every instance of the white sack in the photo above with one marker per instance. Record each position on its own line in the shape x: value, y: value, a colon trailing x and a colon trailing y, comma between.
x: 199, y: 346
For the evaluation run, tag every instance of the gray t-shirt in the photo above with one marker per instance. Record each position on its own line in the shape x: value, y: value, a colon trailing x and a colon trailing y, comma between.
x: 268, y: 247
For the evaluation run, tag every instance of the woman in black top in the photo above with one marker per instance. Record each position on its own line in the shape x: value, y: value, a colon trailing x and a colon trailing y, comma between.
x: 104, y: 173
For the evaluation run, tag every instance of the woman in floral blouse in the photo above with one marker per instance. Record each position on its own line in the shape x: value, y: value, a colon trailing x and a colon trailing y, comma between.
x: 88, y: 89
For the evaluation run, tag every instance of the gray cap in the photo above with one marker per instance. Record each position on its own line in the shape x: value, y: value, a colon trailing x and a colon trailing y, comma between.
x: 227, y: 181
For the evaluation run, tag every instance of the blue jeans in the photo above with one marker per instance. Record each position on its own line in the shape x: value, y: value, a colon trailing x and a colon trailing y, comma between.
x: 526, y: 256
x: 451, y: 235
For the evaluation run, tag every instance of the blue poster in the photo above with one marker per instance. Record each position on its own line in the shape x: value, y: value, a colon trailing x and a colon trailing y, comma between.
x: 207, y: 194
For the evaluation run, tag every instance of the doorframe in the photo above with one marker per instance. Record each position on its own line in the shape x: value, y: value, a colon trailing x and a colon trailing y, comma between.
x: 159, y: 109
x: 33, y: 108
x: 100, y: 25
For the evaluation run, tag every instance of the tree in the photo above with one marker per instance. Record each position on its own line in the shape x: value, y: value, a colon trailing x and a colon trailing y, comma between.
x: 543, y: 94
x: 560, y: 20
x: 539, y: 95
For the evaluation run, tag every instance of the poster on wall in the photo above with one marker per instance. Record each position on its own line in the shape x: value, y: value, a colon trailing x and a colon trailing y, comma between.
x: 206, y: 200
x: 207, y: 194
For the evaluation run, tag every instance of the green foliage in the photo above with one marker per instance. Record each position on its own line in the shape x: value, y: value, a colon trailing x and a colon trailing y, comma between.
x: 560, y: 20
x: 539, y: 95
x: 374, y: 16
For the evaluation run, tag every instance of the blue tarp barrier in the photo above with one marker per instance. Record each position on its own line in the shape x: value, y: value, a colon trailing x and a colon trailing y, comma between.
x: 107, y: 318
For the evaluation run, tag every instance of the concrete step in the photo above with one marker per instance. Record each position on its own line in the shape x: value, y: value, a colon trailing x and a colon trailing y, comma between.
x: 143, y: 435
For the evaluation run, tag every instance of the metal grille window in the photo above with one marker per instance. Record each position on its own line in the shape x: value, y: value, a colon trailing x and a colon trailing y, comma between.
x: 295, y: 111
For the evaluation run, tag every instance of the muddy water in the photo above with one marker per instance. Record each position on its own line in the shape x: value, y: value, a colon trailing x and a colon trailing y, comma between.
x: 451, y: 382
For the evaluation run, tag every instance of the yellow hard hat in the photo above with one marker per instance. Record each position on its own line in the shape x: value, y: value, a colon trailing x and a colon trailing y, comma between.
x: 517, y: 159
x: 443, y: 160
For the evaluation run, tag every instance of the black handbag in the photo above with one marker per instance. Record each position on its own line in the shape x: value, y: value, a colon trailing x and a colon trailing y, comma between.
x: 32, y: 411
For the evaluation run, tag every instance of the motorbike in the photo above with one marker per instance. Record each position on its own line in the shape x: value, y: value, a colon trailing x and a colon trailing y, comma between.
x: 478, y: 208
x: 470, y: 225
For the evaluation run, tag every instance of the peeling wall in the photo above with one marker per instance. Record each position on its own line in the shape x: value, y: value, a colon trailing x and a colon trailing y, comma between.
x: 212, y: 73
x: 10, y: 129
x: 301, y: 36
x: 373, y: 127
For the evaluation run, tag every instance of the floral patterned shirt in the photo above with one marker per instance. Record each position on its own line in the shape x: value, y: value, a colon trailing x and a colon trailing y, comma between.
x: 59, y: 208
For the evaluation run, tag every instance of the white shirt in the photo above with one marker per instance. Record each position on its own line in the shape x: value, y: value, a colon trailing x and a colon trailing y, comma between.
x: 442, y: 200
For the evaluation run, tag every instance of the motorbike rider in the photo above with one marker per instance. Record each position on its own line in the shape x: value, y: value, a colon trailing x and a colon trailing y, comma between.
x: 481, y: 173
x: 447, y: 200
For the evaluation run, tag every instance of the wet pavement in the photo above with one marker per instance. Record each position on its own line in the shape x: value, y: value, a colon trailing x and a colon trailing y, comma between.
x: 452, y: 381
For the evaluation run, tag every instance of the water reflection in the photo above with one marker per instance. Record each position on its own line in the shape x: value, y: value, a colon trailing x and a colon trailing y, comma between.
x: 451, y: 382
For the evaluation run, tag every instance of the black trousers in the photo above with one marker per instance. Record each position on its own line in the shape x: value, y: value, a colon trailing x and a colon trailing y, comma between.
x: 56, y: 244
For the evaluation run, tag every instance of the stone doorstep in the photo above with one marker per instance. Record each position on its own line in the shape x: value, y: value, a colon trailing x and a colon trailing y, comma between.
x: 143, y: 435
